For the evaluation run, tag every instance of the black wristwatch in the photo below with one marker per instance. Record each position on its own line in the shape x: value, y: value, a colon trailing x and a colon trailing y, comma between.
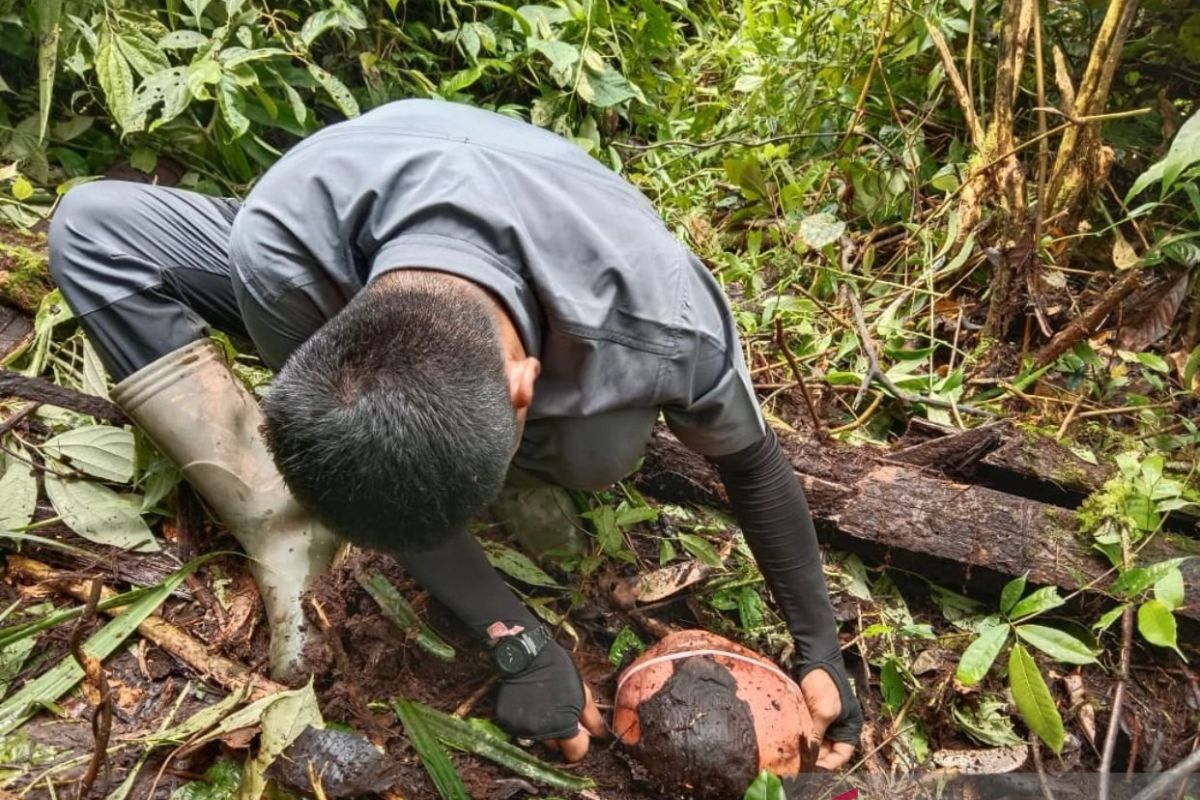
x: 513, y: 654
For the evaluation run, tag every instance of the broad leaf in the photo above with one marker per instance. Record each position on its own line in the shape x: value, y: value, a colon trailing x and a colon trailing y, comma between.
x: 1137, y: 580
x: 46, y: 15
x: 18, y: 493
x: 336, y: 90
x: 517, y: 565
x: 989, y: 724
x: 1043, y: 599
x: 100, y: 450
x: 115, y: 76
x: 819, y: 230
x: 99, y: 514
x: 1057, y: 644
x: 977, y: 659
x: 169, y: 87
x: 282, y: 722
x: 1169, y: 590
x: 891, y: 686
x: 606, y: 87
x: 1012, y: 593
x: 1156, y: 623
x: 701, y: 549
x: 232, y: 103
x: 766, y: 786
x: 183, y: 40
x: 1033, y: 698
x: 1184, y: 151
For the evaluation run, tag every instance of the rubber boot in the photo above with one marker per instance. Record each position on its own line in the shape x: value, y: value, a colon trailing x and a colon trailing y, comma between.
x: 541, y: 517
x: 202, y: 418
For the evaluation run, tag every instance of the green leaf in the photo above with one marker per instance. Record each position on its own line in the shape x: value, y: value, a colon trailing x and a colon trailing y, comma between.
x: 18, y: 492
x: 563, y: 56
x: 1169, y: 590
x: 1011, y: 593
x: 700, y: 549
x: 977, y: 659
x: 434, y: 757
x: 891, y: 686
x: 336, y: 90
x: 462, y: 735
x: 626, y: 642
x: 99, y: 514
x: 516, y: 565
x: 1184, y: 151
x: 397, y: 609
x: 233, y: 106
x: 46, y: 14
x: 202, y: 74
x: 606, y: 88
x: 819, y: 230
x: 1191, y: 368
x: 100, y: 450
x: 1108, y: 618
x: 21, y: 188
x: 142, y: 54
x: 115, y: 77
x: 183, y: 40
x: 1043, y: 599
x: 1156, y: 622
x: 282, y: 721
x: 1134, y: 581
x: 1057, y: 644
x: 989, y: 724
x: 766, y: 786
x: 169, y: 87
x: 1033, y: 698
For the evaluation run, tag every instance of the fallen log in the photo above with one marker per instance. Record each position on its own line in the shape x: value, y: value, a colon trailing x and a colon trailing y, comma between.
x: 897, y: 513
x: 40, y: 390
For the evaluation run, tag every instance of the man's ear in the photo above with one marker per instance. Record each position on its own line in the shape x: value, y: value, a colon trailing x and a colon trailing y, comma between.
x: 522, y: 374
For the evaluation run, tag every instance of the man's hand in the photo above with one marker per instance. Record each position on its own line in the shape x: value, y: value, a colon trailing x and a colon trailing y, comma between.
x: 825, y: 705
x: 549, y: 702
x: 591, y: 724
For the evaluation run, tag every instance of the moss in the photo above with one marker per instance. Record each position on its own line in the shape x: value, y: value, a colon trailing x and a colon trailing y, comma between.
x: 24, y: 271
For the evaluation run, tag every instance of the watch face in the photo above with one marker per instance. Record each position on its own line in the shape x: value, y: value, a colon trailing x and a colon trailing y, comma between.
x: 510, y: 656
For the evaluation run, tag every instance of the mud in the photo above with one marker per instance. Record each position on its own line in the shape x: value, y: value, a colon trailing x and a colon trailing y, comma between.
x: 697, y: 734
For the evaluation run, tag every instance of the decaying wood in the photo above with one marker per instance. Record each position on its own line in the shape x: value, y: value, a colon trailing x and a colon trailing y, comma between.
x: 227, y: 673
x: 16, y: 328
x: 1084, y: 324
x: 901, y: 514
x: 43, y: 391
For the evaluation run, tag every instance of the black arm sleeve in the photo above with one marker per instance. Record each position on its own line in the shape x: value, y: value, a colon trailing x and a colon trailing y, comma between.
x: 771, y: 509
x: 544, y: 701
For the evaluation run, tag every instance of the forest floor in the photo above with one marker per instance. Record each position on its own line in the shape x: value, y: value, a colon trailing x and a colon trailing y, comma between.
x: 161, y: 744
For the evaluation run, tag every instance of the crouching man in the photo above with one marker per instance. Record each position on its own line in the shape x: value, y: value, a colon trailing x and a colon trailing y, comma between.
x: 451, y: 299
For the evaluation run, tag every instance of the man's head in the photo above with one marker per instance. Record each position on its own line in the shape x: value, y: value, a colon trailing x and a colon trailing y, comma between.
x: 398, y: 418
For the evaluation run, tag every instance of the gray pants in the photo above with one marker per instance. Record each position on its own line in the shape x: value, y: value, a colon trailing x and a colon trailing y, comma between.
x: 146, y: 269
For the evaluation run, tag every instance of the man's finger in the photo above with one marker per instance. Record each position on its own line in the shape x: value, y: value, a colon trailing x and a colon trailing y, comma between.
x: 575, y: 748
x: 590, y: 717
x: 834, y: 755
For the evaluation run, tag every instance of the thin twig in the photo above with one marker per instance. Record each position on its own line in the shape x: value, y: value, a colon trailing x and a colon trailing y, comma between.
x: 1067, y: 420
x: 466, y: 706
x: 1164, y: 782
x: 102, y: 715
x: 12, y: 421
x: 1114, y: 721
x: 781, y: 343
x: 868, y: 346
x: 1035, y: 747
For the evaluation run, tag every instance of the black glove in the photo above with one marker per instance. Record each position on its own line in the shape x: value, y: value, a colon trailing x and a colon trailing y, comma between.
x: 773, y: 513
x: 544, y: 701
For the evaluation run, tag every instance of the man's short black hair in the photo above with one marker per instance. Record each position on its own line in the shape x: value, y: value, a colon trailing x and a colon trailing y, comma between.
x: 394, y: 423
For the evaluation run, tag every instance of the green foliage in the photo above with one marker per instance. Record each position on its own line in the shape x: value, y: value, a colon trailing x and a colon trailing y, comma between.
x: 766, y: 786
x: 1033, y: 698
